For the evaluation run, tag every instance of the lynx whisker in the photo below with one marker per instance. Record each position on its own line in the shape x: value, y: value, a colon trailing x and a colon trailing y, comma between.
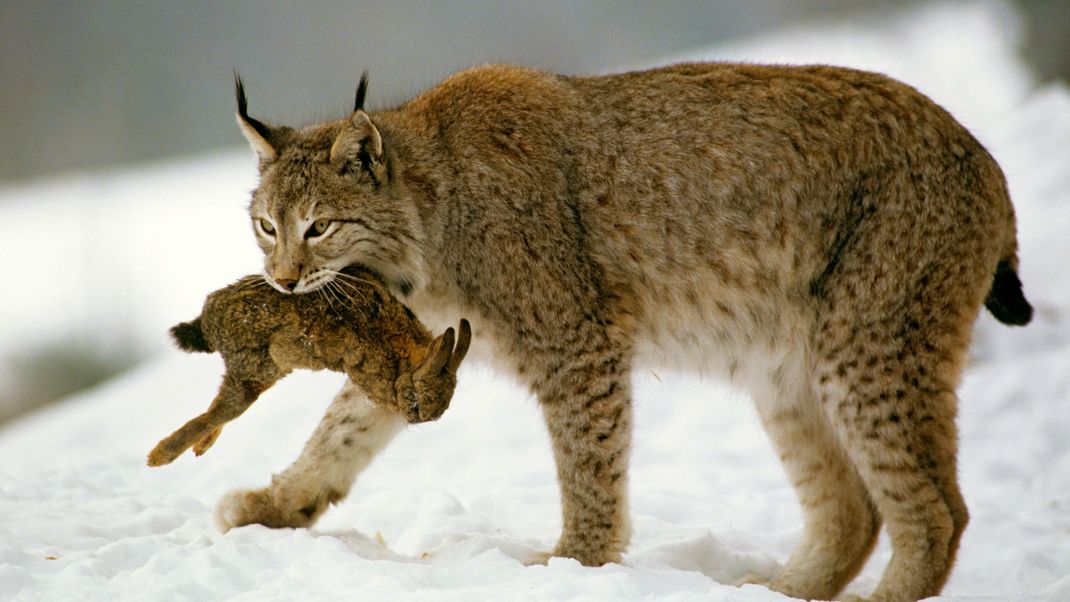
x: 322, y: 293
x: 251, y: 282
x: 344, y: 297
x: 345, y: 276
x: 342, y: 279
x: 348, y: 290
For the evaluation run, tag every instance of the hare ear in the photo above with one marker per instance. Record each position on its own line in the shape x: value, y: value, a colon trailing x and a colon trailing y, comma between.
x: 443, y: 355
x: 263, y: 139
x: 464, y: 338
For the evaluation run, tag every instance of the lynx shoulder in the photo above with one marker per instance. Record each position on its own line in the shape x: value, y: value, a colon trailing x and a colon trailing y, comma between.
x: 823, y: 236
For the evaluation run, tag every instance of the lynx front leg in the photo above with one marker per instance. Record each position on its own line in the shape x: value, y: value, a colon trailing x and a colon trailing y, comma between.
x: 588, y: 413
x: 350, y: 435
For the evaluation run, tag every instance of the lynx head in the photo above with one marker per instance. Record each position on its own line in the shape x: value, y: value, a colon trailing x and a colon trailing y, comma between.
x: 329, y: 197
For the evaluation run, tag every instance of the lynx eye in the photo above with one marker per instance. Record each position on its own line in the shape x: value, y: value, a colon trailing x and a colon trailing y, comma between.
x: 318, y: 228
x: 267, y: 227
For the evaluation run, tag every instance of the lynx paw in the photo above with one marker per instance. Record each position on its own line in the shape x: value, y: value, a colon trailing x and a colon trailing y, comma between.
x: 538, y: 558
x: 754, y: 579
x: 588, y: 555
x: 268, y: 507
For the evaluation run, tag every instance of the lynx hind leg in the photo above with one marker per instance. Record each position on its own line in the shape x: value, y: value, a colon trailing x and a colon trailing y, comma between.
x: 349, y: 436
x: 841, y: 525
x: 889, y: 392
x: 902, y: 438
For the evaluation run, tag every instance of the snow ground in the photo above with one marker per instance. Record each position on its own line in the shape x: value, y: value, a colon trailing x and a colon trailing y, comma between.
x: 451, y: 506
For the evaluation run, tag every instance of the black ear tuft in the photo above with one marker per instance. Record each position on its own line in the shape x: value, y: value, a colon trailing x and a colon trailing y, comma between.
x: 190, y: 337
x: 243, y: 109
x: 362, y: 91
x: 239, y: 92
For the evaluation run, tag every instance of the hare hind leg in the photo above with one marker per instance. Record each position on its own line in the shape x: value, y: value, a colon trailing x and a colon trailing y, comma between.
x: 234, y: 397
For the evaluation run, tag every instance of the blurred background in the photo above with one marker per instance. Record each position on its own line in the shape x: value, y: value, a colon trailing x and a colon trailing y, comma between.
x: 92, y: 84
x: 93, y: 90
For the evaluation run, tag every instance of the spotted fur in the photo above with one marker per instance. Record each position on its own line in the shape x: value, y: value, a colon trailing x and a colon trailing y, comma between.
x: 824, y: 237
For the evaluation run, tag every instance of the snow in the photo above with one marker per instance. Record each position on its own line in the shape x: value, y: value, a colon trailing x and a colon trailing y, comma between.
x: 451, y: 508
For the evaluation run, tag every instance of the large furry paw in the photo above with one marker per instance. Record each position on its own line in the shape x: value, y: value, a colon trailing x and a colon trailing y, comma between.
x: 587, y: 555
x: 269, y: 507
x: 537, y: 559
x: 753, y: 579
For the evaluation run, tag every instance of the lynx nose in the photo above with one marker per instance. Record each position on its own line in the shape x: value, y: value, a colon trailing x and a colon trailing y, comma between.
x: 287, y: 283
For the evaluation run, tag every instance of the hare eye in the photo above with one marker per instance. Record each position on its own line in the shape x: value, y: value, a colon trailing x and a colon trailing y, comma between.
x: 317, y: 228
x: 267, y: 227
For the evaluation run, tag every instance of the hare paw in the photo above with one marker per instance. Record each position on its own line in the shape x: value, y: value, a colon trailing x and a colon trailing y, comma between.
x: 207, y: 441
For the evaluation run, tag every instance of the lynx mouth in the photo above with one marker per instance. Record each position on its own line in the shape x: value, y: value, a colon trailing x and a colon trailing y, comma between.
x: 314, y: 282
x: 303, y: 286
x: 275, y: 285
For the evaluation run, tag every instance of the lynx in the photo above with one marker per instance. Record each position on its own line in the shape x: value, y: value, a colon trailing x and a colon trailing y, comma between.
x: 823, y: 237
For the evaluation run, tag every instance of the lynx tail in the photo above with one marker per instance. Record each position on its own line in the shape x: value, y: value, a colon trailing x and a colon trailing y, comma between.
x: 1005, y: 300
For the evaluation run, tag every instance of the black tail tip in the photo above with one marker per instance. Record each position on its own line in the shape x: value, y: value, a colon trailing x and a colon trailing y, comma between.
x: 1005, y: 300
x: 189, y: 336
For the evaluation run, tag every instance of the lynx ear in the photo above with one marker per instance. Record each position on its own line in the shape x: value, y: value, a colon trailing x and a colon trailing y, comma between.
x: 360, y: 146
x: 259, y: 135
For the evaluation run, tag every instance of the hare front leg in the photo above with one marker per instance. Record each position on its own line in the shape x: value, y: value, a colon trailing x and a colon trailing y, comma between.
x: 351, y: 434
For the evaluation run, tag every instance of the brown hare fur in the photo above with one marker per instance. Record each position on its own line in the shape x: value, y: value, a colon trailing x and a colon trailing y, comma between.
x: 360, y: 330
